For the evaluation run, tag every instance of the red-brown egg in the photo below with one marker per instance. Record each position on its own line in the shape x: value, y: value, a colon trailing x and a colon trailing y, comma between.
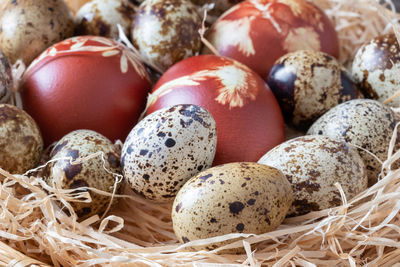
x: 248, y: 118
x: 85, y: 82
x: 258, y: 32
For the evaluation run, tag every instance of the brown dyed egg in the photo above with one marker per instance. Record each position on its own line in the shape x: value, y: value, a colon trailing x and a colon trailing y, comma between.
x: 28, y: 27
x: 167, y: 148
x: 166, y: 31
x: 100, y: 17
x: 313, y: 164
x: 231, y: 198
x: 362, y: 122
x: 21, y: 144
x: 376, y: 67
x: 98, y: 172
x: 307, y: 84
x: 6, y: 79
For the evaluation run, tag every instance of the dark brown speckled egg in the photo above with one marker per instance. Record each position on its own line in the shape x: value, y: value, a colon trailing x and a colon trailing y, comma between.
x: 313, y: 164
x: 100, y: 17
x: 28, y: 27
x: 21, y: 143
x: 307, y: 84
x: 376, y: 67
x: 166, y: 31
x: 98, y: 171
x: 6, y: 79
x: 167, y: 148
x: 242, y: 197
x: 362, y: 122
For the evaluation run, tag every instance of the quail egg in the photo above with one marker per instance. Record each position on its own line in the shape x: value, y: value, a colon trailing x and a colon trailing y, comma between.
x: 166, y: 149
x: 78, y: 167
x: 313, y: 164
x: 100, y: 17
x: 21, y: 143
x: 6, y: 79
x: 241, y: 197
x: 309, y: 83
x: 362, y: 122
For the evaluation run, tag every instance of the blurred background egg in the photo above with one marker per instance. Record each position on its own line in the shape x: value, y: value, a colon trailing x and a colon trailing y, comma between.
x: 21, y: 143
x: 100, y: 171
x: 167, y: 148
x: 313, y: 164
x: 100, y: 17
x: 362, y: 122
x: 6, y: 79
x: 231, y: 198
x: 166, y: 31
x: 28, y: 27
x: 376, y: 67
x: 308, y: 83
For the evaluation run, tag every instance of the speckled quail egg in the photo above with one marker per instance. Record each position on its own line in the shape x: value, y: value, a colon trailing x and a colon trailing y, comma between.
x: 241, y: 197
x: 313, y: 164
x: 21, y: 143
x: 309, y: 83
x: 166, y: 149
x: 362, y: 122
x: 6, y: 79
x: 78, y: 167
x: 376, y: 67
x: 166, y: 31
x: 100, y: 17
x: 28, y: 27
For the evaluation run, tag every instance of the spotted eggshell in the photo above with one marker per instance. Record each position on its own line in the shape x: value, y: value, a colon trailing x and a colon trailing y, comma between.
x: 6, y: 79
x: 231, y: 198
x: 376, y: 67
x: 167, y: 148
x: 313, y: 164
x: 29, y: 27
x: 100, y: 17
x: 96, y: 172
x: 364, y: 123
x: 21, y: 143
x: 307, y: 84
x: 166, y: 31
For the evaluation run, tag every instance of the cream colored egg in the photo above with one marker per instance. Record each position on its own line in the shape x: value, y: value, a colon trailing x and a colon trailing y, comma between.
x: 167, y: 148
x: 365, y: 123
x: 78, y: 166
x: 21, y: 143
x: 28, y: 27
x: 166, y: 31
x: 100, y: 17
x: 376, y: 67
x: 231, y: 198
x: 313, y: 164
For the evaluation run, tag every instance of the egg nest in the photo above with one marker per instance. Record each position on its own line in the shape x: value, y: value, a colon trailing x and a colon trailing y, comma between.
x: 34, y: 229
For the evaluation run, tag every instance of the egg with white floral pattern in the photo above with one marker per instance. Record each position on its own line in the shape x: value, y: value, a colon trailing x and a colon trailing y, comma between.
x: 87, y: 82
x: 167, y: 148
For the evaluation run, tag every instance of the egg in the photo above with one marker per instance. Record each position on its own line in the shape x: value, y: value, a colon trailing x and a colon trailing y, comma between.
x: 100, y: 17
x: 240, y: 197
x: 258, y: 32
x: 362, y: 122
x: 376, y: 67
x: 313, y: 164
x: 70, y: 169
x: 167, y: 148
x: 6, y: 79
x: 308, y: 83
x: 21, y: 143
x: 166, y: 31
x: 28, y: 27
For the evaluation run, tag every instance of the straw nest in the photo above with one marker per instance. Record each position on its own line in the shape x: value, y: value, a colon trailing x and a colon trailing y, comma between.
x: 36, y: 231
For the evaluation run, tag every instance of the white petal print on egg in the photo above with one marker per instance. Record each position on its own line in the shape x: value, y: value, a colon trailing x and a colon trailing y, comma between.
x: 235, y: 85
